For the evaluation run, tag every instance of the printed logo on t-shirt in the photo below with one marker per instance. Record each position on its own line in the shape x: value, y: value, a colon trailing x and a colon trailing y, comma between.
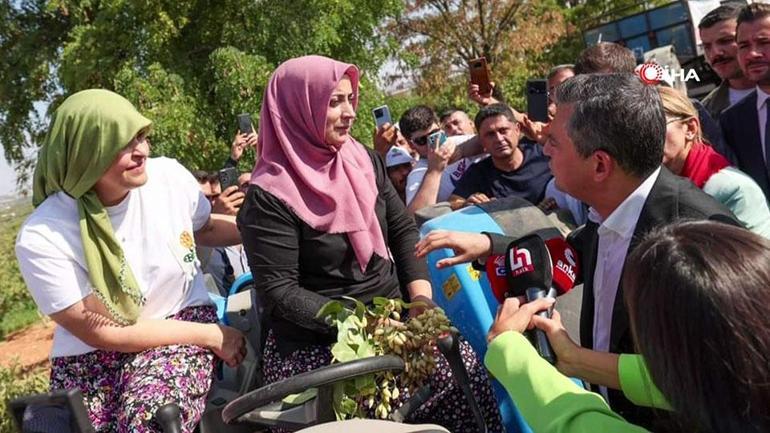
x: 187, y: 242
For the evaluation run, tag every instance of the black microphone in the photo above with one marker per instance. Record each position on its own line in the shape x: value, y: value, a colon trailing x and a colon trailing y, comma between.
x: 530, y: 274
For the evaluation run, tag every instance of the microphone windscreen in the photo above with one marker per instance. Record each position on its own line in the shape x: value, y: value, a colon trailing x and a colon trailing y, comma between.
x: 498, y: 276
x: 566, y: 268
x: 528, y: 265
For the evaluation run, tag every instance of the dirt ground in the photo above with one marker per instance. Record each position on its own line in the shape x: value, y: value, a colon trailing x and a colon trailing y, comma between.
x: 29, y: 347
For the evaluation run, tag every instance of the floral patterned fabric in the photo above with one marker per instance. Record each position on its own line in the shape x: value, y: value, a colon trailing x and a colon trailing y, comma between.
x: 122, y: 391
x: 447, y: 405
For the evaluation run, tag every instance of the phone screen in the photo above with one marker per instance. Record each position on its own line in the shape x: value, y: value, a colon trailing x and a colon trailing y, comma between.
x: 437, y: 139
x: 537, y: 100
x: 244, y: 123
x: 228, y: 177
x: 382, y: 115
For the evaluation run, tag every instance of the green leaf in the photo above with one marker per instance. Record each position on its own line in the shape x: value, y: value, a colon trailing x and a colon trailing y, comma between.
x: 343, y: 353
x: 379, y: 301
x: 298, y: 399
x: 330, y: 308
x: 365, y: 350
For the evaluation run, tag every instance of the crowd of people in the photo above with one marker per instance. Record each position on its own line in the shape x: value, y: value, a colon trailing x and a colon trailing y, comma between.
x: 123, y: 249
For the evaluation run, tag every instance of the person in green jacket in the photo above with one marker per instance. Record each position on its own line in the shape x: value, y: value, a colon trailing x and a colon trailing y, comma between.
x: 706, y: 344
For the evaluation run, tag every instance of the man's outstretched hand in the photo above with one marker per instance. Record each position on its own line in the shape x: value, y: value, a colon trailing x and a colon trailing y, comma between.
x: 466, y: 246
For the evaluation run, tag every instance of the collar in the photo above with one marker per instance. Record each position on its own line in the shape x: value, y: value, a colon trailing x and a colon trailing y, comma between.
x: 622, y: 221
x: 761, y: 98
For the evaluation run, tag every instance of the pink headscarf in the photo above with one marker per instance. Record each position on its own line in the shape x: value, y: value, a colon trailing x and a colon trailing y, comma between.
x: 332, y: 189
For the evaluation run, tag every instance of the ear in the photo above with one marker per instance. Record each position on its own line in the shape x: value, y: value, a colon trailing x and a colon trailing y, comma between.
x: 693, y: 126
x: 604, y: 166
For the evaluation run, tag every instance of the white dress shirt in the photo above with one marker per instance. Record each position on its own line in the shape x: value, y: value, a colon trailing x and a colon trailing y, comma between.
x: 762, y: 116
x: 614, y: 238
x: 615, y: 235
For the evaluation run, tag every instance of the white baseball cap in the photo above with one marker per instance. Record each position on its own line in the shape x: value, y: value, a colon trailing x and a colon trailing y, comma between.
x: 397, y: 156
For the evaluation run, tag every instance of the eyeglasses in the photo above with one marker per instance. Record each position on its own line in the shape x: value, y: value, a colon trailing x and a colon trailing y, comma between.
x: 423, y: 140
x: 677, y: 119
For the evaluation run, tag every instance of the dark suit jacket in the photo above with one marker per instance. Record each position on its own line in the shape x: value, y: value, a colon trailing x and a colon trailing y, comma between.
x: 740, y: 127
x: 718, y: 99
x: 671, y: 198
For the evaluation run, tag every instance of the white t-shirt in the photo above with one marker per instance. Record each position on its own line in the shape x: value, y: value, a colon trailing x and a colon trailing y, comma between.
x: 154, y: 225
x: 449, y: 177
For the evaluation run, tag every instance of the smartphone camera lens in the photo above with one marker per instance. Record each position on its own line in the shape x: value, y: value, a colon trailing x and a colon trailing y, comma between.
x: 378, y: 112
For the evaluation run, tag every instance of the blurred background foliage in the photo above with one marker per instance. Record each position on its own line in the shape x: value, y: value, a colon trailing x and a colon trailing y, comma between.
x: 192, y: 65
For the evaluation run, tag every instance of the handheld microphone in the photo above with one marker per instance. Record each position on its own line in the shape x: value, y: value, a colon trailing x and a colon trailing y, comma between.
x: 566, y: 268
x: 530, y: 274
x: 497, y: 276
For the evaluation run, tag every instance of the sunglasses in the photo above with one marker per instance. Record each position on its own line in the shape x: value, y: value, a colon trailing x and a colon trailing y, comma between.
x: 423, y: 139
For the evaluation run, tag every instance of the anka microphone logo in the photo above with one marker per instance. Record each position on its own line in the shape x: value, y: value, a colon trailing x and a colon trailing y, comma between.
x: 521, y: 261
x: 653, y: 73
x: 570, y: 256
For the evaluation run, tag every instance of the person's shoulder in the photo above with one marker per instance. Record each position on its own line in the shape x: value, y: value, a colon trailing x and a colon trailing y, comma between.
x: 730, y: 181
x: 58, y: 208
x: 692, y: 202
x: 749, y: 102
x: 164, y: 165
x: 56, y: 218
x: 715, y: 94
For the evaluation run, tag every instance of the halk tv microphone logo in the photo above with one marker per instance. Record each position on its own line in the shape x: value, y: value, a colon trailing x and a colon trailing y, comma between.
x: 653, y: 73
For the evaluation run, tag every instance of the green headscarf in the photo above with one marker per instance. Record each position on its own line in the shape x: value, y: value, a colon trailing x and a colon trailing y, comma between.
x: 87, y: 132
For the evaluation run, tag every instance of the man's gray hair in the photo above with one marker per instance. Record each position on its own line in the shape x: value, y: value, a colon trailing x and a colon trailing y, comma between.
x: 618, y: 114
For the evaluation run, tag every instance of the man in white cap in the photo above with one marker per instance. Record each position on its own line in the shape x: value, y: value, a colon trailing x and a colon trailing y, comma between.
x: 399, y: 164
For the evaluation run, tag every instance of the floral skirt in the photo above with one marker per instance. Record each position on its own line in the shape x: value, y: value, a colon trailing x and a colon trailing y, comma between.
x: 122, y: 391
x: 447, y: 405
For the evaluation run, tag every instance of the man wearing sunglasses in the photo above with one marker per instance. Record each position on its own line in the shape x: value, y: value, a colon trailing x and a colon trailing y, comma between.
x: 434, y: 176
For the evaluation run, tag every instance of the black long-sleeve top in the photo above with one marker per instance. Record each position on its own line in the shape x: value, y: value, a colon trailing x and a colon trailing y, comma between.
x: 297, y: 269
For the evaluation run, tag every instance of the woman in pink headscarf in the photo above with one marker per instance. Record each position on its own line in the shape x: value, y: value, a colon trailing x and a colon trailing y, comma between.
x: 321, y: 221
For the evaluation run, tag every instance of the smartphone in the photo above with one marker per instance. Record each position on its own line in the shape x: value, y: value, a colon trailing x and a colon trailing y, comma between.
x: 436, y: 139
x: 480, y: 75
x: 537, y: 100
x: 228, y: 177
x: 382, y: 115
x: 244, y: 123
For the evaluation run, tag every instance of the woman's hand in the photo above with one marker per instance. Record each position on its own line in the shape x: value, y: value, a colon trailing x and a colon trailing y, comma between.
x: 228, y: 344
x: 466, y: 246
x: 566, y: 350
x: 513, y: 316
x: 416, y: 311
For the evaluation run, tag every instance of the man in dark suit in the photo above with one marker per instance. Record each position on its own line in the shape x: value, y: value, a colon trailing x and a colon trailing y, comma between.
x: 744, y: 125
x: 717, y: 32
x: 606, y: 146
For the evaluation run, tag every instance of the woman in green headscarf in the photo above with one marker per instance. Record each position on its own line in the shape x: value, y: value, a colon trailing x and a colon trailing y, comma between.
x: 109, y: 254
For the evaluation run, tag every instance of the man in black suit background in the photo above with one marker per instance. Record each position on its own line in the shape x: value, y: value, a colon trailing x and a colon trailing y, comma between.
x: 745, y: 125
x: 606, y: 147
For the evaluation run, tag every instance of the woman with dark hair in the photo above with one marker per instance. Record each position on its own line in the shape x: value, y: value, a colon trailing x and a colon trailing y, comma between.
x: 321, y: 221
x: 700, y: 324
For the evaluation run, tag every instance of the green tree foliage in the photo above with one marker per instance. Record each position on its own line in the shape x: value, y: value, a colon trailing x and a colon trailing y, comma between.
x: 520, y: 39
x: 189, y: 65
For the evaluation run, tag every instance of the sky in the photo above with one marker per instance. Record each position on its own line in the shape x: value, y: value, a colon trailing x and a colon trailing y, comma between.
x: 7, y: 177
